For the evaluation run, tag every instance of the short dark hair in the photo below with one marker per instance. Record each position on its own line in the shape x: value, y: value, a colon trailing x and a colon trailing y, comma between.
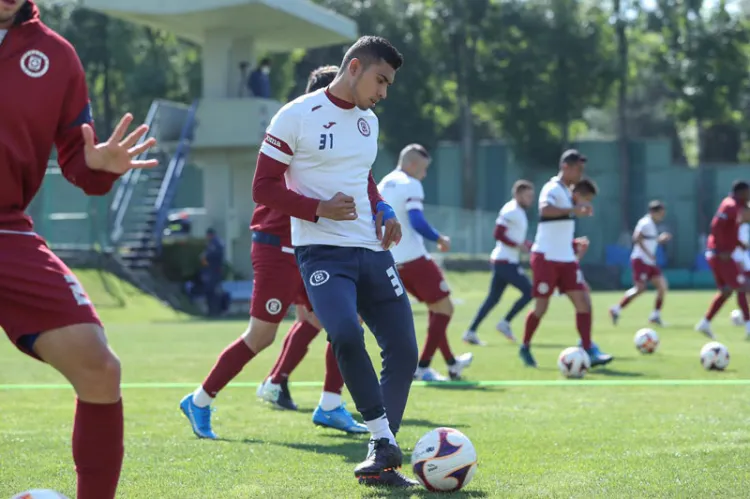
x: 586, y: 186
x: 371, y: 49
x: 572, y: 156
x: 740, y: 186
x: 265, y: 62
x: 655, y: 206
x: 321, y: 77
x: 521, y: 186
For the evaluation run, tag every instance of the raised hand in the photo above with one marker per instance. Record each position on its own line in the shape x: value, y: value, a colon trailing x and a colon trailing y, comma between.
x: 116, y: 154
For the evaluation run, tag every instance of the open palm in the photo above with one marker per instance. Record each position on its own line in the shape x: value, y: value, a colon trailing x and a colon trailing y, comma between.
x: 116, y: 154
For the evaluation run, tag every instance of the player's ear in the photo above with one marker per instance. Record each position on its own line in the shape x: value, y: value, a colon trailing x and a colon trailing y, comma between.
x: 354, y: 66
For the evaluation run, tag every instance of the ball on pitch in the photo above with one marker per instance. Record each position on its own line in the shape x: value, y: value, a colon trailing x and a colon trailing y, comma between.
x: 646, y: 340
x: 574, y: 362
x: 736, y: 317
x: 444, y: 460
x: 714, y: 356
x: 39, y: 494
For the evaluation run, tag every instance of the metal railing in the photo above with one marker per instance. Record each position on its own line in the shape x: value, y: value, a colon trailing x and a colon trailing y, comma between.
x: 172, y: 177
x: 128, y: 182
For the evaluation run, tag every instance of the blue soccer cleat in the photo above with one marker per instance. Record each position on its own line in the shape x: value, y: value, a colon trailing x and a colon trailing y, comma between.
x: 338, y: 419
x: 525, y: 353
x: 597, y: 357
x: 199, y: 417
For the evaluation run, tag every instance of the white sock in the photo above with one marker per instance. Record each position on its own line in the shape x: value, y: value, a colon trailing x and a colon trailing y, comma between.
x: 747, y: 327
x: 201, y: 398
x: 616, y: 309
x: 330, y: 401
x: 655, y: 313
x: 704, y: 323
x: 379, y: 428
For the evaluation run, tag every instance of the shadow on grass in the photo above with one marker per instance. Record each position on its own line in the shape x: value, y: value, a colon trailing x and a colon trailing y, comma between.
x: 460, y: 385
x: 615, y: 373
x: 549, y: 345
x: 418, y: 492
x: 430, y: 424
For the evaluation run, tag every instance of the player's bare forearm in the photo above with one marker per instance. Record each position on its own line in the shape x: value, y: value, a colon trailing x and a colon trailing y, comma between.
x: 269, y: 189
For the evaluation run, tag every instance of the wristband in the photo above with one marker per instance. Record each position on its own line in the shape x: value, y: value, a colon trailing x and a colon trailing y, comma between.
x: 388, y: 212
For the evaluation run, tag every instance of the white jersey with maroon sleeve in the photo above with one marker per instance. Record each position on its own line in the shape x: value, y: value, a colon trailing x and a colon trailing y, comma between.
x: 404, y: 193
x: 328, y: 149
x: 513, y: 217
x: 740, y: 254
x: 554, y: 236
x: 646, y: 227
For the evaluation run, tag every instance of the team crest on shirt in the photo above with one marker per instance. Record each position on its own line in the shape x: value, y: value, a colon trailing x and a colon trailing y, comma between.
x: 364, y: 127
x: 34, y: 63
x: 273, y: 306
x: 319, y: 277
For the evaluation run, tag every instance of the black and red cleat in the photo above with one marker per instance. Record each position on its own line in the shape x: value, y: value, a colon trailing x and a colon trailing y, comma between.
x: 380, y: 468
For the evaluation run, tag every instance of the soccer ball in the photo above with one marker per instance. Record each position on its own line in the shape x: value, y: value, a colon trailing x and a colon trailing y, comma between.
x: 444, y: 460
x: 39, y: 494
x: 646, y: 340
x: 714, y: 356
x: 574, y: 362
x: 737, y: 318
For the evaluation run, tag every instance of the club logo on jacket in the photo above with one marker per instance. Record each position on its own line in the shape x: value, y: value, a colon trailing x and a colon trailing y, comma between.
x: 364, y: 127
x: 34, y: 63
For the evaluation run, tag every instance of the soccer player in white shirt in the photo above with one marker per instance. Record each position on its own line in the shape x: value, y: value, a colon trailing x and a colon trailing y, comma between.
x: 646, y: 239
x: 510, y: 233
x: 553, y: 257
x: 422, y: 278
x: 315, y: 166
x: 742, y: 257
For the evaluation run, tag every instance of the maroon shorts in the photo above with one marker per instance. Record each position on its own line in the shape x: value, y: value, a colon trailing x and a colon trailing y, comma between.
x: 423, y: 280
x: 277, y: 283
x: 727, y: 273
x: 642, y: 271
x: 548, y: 275
x: 38, y: 292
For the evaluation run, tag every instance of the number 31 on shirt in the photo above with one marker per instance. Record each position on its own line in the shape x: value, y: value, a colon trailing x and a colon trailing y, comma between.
x: 326, y: 141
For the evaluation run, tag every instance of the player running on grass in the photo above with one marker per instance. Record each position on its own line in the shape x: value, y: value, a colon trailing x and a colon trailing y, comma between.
x: 322, y: 146
x: 510, y: 233
x: 646, y: 239
x: 722, y: 241
x: 276, y: 285
x: 43, y: 308
x: 553, y: 257
x: 275, y: 388
x: 422, y: 278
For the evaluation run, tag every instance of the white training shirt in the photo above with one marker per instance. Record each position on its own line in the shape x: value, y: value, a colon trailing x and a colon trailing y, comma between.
x: 554, y: 238
x: 740, y: 254
x: 328, y: 149
x: 647, y: 228
x: 404, y: 193
x: 513, y: 217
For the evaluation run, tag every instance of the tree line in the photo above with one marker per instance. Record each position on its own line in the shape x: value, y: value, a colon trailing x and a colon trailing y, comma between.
x: 537, y: 74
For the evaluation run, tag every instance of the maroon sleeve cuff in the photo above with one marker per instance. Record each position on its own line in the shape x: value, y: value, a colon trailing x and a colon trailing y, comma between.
x: 501, y: 236
x: 373, y: 194
x: 77, y: 172
x: 269, y: 189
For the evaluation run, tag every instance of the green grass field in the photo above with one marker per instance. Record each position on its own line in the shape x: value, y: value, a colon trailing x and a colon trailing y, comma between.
x: 624, y: 432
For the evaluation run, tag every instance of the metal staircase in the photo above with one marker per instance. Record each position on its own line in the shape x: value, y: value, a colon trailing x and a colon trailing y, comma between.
x: 141, y: 204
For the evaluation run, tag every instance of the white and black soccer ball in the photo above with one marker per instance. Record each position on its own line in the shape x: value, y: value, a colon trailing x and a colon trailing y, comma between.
x: 39, y: 494
x: 736, y: 317
x: 574, y: 362
x: 444, y: 460
x: 646, y: 340
x: 714, y: 356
